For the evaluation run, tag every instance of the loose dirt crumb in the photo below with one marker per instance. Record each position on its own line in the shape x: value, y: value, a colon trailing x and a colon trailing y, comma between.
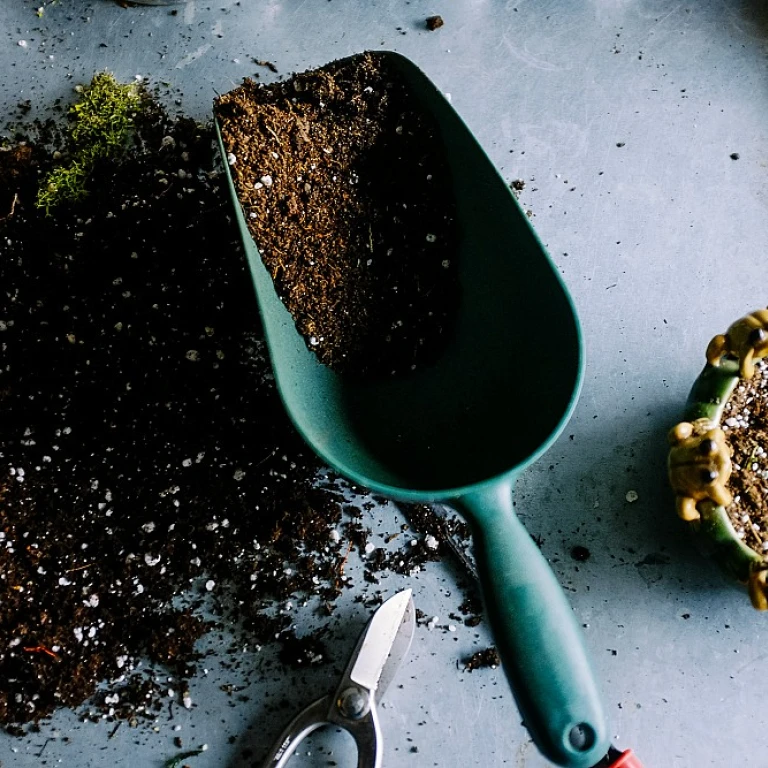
x: 488, y: 657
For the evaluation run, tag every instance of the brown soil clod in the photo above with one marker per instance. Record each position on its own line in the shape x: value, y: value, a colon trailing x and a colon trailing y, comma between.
x: 489, y: 657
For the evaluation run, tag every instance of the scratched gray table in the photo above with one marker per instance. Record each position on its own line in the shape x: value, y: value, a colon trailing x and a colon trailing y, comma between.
x: 621, y: 118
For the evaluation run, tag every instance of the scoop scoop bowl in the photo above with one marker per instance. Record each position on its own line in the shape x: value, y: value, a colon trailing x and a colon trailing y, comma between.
x: 462, y: 430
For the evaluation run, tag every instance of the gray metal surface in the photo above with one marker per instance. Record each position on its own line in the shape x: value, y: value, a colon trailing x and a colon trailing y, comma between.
x: 621, y: 118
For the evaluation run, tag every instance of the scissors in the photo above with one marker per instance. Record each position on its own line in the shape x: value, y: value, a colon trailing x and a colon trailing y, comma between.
x: 381, y: 648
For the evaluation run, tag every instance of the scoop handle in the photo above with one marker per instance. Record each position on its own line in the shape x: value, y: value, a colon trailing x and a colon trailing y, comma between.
x: 536, y: 634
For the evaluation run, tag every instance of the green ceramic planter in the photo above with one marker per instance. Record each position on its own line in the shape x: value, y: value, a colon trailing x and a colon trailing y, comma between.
x: 699, y: 466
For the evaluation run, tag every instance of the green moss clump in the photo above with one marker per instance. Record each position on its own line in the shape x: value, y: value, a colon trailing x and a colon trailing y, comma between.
x: 102, y: 123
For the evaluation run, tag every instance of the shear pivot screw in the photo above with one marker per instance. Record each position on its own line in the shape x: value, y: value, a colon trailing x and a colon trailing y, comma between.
x: 353, y: 704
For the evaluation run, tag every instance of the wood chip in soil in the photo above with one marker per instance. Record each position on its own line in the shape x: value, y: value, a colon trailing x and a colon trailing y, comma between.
x: 487, y: 658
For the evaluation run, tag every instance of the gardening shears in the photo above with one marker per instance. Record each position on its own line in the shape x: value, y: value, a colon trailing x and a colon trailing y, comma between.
x: 381, y: 648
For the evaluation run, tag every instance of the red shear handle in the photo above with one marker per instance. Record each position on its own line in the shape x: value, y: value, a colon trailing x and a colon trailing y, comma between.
x: 626, y: 760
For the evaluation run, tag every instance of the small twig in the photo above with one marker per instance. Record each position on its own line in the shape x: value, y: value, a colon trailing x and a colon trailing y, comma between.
x: 174, y: 762
x: 114, y: 730
x: 344, y: 561
x: 165, y: 191
x: 42, y: 749
x: 266, y: 458
x: 41, y: 649
x: 79, y: 568
x: 13, y: 207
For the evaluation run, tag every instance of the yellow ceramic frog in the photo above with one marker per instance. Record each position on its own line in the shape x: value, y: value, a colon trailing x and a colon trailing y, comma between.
x: 746, y: 339
x: 758, y: 588
x: 699, y: 465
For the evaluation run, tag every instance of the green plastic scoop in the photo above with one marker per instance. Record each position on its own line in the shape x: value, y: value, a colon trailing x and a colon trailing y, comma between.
x: 462, y: 430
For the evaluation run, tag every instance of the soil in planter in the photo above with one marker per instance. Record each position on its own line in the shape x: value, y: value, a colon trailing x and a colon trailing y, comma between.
x: 745, y: 421
x: 144, y: 453
x: 347, y: 195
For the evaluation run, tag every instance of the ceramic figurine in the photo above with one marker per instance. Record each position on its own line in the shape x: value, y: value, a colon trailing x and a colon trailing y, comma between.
x: 710, y: 522
x: 746, y: 339
x: 699, y: 465
x: 758, y: 588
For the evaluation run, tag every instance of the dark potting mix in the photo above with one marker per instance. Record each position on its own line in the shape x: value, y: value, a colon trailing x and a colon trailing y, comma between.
x: 347, y: 194
x: 144, y: 452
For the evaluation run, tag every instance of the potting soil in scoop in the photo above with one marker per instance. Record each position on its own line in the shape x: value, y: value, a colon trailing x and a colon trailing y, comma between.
x: 348, y: 198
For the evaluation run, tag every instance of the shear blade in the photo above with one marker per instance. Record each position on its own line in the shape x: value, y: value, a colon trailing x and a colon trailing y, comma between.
x: 385, y: 642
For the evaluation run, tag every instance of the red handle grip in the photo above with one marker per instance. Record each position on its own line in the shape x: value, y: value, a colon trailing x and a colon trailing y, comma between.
x: 626, y: 760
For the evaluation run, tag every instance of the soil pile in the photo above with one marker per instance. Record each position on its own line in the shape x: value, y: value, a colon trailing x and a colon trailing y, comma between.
x: 144, y: 453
